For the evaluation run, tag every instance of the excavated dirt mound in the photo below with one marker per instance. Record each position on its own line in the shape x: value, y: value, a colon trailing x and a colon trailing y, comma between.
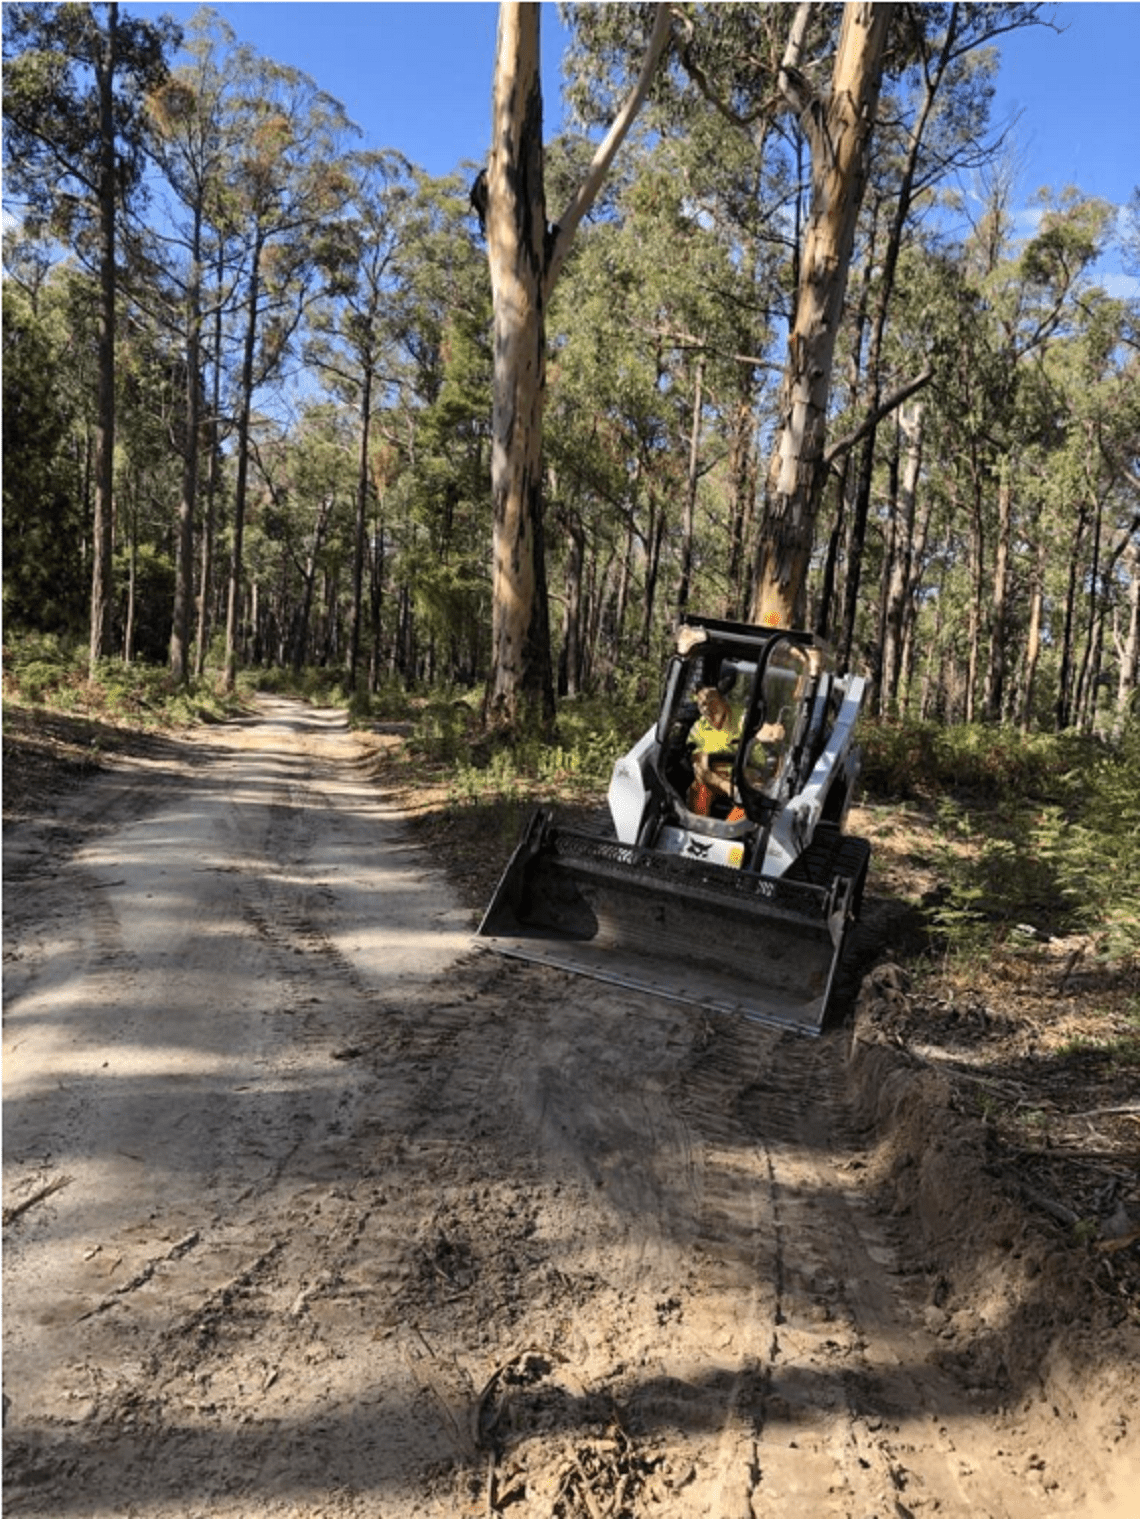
x: 312, y: 1210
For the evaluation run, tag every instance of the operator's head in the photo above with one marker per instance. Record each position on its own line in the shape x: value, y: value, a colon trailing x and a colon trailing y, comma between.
x: 711, y: 704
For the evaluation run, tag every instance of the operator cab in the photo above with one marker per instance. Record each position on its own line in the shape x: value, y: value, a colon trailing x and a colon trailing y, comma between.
x: 767, y: 679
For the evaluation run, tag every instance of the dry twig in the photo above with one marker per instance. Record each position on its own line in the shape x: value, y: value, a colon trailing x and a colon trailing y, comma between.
x: 18, y: 1209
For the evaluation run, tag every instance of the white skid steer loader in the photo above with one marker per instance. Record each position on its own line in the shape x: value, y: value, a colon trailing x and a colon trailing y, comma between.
x: 736, y: 900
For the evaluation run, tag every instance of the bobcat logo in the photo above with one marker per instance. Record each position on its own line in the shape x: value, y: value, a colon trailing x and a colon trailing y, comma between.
x: 695, y: 847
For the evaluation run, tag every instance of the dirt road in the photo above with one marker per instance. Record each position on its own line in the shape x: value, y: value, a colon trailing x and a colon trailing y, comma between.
x: 311, y: 1210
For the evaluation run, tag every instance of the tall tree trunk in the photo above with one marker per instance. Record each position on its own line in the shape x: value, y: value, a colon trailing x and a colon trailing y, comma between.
x: 842, y: 478
x: 933, y: 77
x: 625, y: 566
x: 892, y: 549
x: 361, y: 523
x: 516, y: 234
x: 1065, y: 705
x: 102, y: 578
x: 1128, y: 650
x: 685, y: 584
x: 570, y: 658
x: 132, y: 580
x: 852, y: 492
x: 312, y: 564
x: 999, y: 603
x: 927, y: 700
x: 1032, y: 639
x: 834, y: 548
x: 184, y: 558
x: 206, y: 573
x: 977, y: 566
x: 899, y: 579
x: 742, y: 473
x: 233, y: 608
x: 654, y: 538
x: 839, y: 131
x: 524, y: 261
x: 377, y: 564
x: 1090, y: 664
x: 910, y: 603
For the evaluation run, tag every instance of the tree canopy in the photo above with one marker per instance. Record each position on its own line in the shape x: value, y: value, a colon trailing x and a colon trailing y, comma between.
x: 782, y: 366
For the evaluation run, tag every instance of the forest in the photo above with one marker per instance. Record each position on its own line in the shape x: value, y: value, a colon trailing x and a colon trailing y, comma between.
x: 249, y: 365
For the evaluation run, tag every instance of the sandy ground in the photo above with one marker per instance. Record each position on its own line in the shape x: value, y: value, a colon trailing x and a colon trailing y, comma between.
x: 312, y: 1209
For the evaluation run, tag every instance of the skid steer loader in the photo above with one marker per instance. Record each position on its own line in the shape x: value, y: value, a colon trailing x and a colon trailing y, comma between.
x: 743, y: 908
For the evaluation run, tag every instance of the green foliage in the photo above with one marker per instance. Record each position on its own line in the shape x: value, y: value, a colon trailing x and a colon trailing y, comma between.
x: 44, y: 581
x: 45, y: 670
x: 1094, y: 854
x: 592, y: 734
x: 443, y: 730
x: 375, y: 275
x: 40, y: 668
x: 926, y: 759
x: 53, y: 57
x: 991, y: 878
x: 1063, y: 867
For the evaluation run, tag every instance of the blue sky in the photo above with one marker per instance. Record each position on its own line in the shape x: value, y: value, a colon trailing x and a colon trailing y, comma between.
x: 417, y: 77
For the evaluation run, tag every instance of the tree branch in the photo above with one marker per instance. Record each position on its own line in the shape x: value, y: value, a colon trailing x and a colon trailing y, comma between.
x: 587, y: 191
x: 872, y: 419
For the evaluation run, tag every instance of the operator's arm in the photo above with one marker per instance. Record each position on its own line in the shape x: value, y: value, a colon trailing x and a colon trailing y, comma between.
x: 705, y: 770
x: 713, y: 753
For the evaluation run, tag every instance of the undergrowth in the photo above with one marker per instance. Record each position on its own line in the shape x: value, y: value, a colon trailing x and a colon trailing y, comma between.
x: 591, y: 733
x: 45, y: 671
x: 926, y: 760
x: 1035, y: 866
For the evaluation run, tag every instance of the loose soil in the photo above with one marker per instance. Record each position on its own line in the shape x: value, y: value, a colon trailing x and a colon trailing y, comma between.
x: 313, y: 1209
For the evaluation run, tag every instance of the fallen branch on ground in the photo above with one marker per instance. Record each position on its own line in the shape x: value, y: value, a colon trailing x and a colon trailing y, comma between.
x: 18, y: 1209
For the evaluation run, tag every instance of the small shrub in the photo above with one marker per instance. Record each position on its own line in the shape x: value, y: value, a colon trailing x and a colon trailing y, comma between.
x: 1094, y: 852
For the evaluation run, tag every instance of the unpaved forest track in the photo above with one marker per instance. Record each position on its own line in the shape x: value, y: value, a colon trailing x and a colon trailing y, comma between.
x: 359, y: 1222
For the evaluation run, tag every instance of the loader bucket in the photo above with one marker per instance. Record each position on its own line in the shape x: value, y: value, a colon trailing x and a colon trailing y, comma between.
x: 716, y: 938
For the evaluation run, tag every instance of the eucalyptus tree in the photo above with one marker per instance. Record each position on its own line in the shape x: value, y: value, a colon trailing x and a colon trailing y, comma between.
x: 1043, y: 319
x: 642, y: 395
x: 616, y: 420
x: 779, y: 79
x: 1014, y: 500
x: 759, y: 68
x: 353, y: 327
x: 935, y: 123
x: 1091, y: 372
x: 837, y: 123
x: 74, y: 90
x: 303, y: 534
x: 195, y: 121
x: 525, y: 253
x: 440, y: 421
x: 150, y: 386
x: 736, y: 167
x: 286, y: 183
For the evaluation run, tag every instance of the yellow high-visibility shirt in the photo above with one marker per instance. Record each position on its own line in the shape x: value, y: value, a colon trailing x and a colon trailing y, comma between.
x: 712, y: 740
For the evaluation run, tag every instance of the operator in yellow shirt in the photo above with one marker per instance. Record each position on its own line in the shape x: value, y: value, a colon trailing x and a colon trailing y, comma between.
x: 714, y: 737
